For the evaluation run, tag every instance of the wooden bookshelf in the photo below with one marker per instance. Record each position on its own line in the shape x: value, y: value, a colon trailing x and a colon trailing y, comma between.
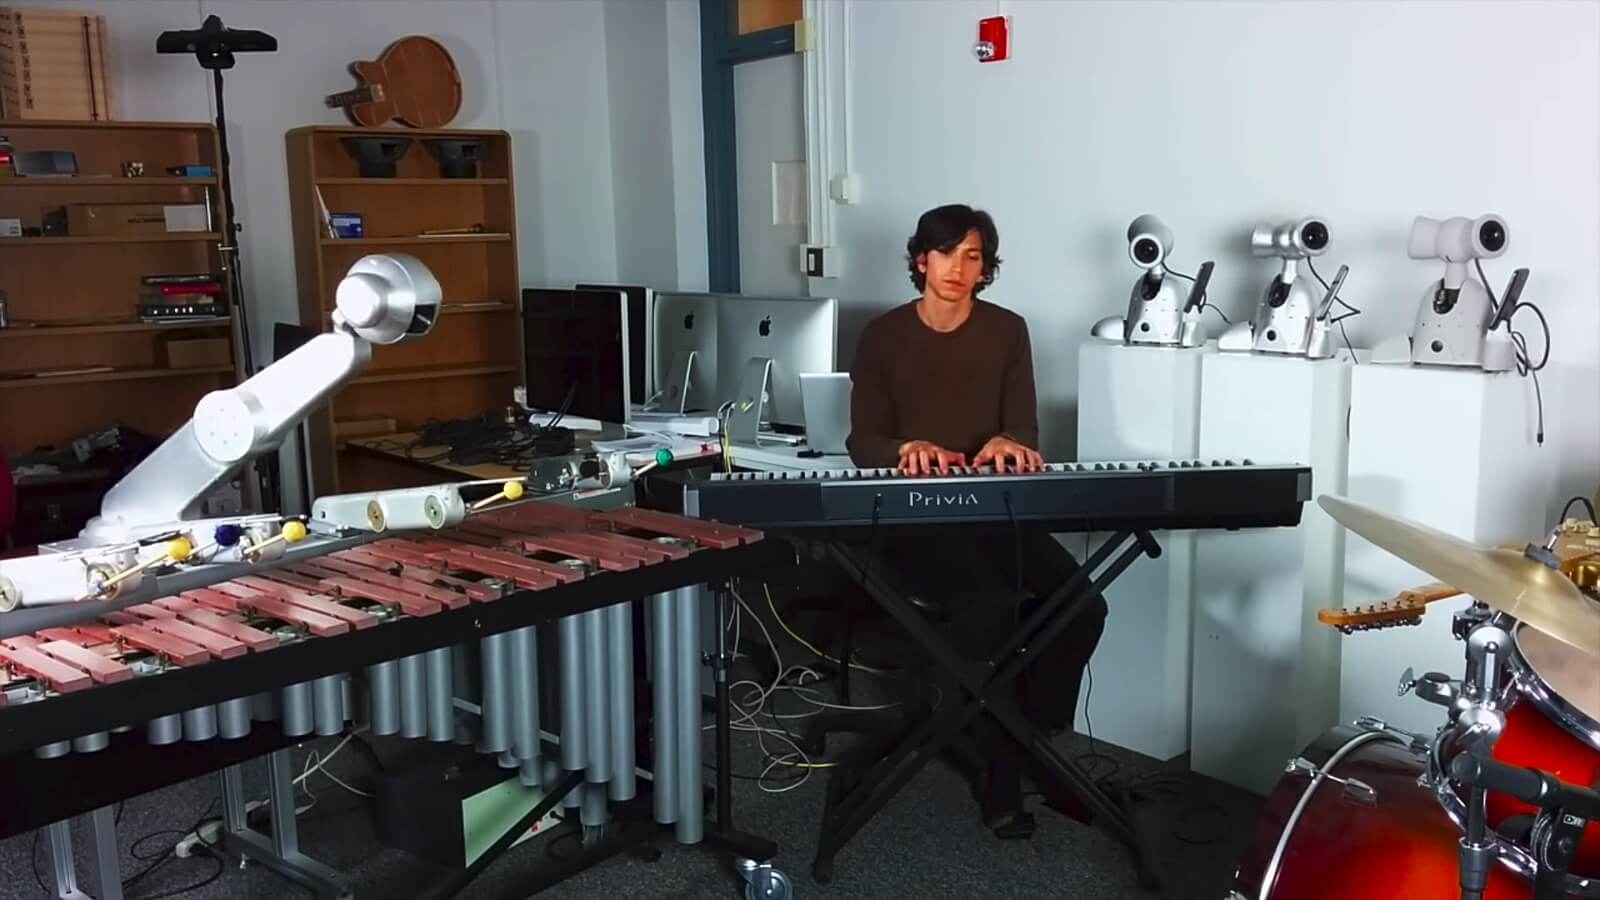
x: 471, y: 361
x: 70, y: 241
x: 73, y: 299
x: 405, y: 240
x: 112, y: 182
x: 376, y: 183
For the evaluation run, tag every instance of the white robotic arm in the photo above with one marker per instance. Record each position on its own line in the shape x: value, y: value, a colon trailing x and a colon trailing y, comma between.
x: 383, y: 300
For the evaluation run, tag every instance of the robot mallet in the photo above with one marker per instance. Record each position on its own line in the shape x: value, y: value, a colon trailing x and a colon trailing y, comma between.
x: 293, y: 532
x: 663, y: 458
x: 178, y: 550
x: 511, y: 491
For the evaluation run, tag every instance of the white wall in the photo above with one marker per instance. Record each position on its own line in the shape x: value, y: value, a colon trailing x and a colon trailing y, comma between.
x: 657, y: 141
x: 554, y: 102
x: 688, y: 144
x: 1216, y: 115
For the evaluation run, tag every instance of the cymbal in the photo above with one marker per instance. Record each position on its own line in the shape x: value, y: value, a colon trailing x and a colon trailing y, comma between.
x: 1525, y: 589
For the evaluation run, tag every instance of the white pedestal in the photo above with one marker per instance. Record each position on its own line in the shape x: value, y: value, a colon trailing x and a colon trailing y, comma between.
x: 1142, y: 403
x: 1266, y: 674
x: 1455, y: 450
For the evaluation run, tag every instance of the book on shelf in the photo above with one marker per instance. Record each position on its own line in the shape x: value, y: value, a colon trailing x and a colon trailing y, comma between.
x: 181, y: 278
x: 79, y: 370
x: 211, y: 288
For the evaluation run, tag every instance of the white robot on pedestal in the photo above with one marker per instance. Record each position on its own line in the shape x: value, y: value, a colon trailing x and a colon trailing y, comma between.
x: 1160, y: 312
x: 1293, y: 316
x: 1458, y: 323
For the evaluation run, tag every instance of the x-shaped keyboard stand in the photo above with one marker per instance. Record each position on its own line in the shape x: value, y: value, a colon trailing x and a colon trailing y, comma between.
x: 988, y: 685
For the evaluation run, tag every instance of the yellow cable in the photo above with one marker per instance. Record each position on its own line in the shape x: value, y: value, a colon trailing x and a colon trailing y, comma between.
x: 773, y: 607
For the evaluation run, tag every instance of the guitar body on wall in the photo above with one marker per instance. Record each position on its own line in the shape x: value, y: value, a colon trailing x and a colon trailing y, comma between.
x: 413, y: 82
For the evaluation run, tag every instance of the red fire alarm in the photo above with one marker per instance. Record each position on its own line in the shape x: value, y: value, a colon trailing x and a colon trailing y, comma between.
x: 994, y: 39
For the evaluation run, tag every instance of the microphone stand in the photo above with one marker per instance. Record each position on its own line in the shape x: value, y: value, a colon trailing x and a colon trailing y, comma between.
x: 268, y: 477
x: 214, y: 46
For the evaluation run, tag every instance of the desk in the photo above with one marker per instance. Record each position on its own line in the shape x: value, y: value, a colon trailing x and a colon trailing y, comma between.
x: 779, y: 457
x: 389, y: 461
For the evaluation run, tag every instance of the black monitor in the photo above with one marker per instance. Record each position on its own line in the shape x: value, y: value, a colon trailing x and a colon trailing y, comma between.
x: 641, y: 343
x: 574, y: 342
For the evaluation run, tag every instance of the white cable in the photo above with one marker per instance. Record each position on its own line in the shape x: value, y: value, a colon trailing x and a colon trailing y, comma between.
x: 308, y: 771
x: 751, y: 704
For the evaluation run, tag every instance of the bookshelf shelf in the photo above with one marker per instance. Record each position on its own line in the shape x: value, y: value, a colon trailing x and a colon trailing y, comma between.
x: 469, y: 363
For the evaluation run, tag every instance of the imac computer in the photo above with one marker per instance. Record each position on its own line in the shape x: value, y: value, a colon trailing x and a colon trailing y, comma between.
x: 685, y: 329
x: 575, y: 355
x: 798, y: 334
x: 641, y: 338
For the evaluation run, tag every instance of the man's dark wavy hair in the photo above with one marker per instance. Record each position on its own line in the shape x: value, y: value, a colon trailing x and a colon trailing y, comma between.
x: 942, y: 228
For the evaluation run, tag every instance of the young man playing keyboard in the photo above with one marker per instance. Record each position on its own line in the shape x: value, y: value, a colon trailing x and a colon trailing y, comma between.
x: 943, y: 381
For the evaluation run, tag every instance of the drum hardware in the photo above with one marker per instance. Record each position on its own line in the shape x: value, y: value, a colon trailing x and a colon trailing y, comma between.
x: 1565, y: 810
x: 1465, y: 620
x: 1419, y: 743
x: 1478, y: 725
x: 1435, y: 687
x: 1354, y: 790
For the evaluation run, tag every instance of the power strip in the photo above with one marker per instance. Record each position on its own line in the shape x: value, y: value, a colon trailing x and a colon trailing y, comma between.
x: 210, y: 833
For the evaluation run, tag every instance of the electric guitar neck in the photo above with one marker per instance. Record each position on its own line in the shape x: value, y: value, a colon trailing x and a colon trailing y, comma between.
x: 369, y: 93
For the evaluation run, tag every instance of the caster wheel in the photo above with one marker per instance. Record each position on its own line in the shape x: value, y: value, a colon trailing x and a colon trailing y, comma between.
x: 778, y: 888
x: 822, y: 871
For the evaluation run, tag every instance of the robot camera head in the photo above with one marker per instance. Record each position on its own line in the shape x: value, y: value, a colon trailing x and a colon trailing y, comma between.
x: 1295, y: 240
x: 389, y: 298
x: 1149, y: 242
x: 1458, y: 239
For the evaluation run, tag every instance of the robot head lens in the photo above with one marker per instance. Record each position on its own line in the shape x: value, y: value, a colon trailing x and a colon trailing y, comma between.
x: 1315, y: 236
x: 1146, y: 250
x: 1492, y: 235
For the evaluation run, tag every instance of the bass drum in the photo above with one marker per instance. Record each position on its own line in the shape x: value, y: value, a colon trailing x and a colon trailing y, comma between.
x: 1360, y: 827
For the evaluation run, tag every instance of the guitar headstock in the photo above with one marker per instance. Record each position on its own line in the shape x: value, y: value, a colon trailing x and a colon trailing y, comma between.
x: 1405, y: 609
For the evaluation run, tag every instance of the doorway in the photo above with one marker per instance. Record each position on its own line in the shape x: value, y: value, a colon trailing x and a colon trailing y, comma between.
x: 755, y: 146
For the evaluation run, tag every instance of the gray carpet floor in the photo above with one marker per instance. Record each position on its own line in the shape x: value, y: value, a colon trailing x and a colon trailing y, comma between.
x: 927, y: 843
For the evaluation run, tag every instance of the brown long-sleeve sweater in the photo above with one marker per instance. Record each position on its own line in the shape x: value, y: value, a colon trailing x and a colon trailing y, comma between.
x: 957, y: 389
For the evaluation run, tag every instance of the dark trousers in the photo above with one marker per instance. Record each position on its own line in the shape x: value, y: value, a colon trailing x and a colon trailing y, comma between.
x: 983, y: 585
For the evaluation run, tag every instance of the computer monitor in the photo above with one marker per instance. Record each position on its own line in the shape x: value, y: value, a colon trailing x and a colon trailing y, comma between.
x: 641, y: 338
x: 574, y: 342
x: 686, y: 323
x: 799, y: 334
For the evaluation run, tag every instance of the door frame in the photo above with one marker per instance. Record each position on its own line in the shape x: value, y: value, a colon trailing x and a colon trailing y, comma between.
x: 721, y: 48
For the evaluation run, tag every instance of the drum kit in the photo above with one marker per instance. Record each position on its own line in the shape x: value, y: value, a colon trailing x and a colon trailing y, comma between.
x: 1501, y: 802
